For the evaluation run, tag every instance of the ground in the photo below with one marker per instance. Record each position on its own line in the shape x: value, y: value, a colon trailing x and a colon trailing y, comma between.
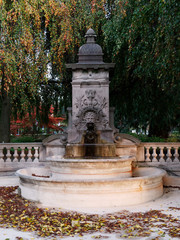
x: 159, y: 219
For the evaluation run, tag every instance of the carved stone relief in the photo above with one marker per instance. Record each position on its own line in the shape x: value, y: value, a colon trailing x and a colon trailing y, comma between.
x: 91, y: 108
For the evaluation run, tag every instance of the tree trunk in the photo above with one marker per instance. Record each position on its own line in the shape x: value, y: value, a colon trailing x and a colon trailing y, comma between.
x: 5, y: 120
x: 5, y: 112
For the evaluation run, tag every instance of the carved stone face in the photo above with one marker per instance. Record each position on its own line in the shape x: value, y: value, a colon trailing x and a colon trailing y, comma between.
x: 91, y: 107
x: 90, y: 117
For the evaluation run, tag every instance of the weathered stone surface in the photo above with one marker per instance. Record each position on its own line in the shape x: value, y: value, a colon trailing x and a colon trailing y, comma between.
x: 54, y: 145
x: 94, y: 173
x: 97, y: 150
x: 103, y: 193
x: 90, y: 94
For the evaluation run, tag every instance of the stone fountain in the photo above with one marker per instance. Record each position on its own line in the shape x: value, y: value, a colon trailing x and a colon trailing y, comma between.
x: 84, y: 168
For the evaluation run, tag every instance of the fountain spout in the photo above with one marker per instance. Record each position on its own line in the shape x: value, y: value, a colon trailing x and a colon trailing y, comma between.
x: 90, y: 136
x: 90, y: 139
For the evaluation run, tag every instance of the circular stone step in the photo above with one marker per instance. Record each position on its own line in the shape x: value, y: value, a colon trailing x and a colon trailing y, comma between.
x: 91, y: 168
x: 145, y: 185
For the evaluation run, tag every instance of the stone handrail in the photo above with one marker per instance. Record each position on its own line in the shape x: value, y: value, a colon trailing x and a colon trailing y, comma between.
x: 162, y: 152
x: 14, y: 156
x: 20, y: 152
x: 33, y: 152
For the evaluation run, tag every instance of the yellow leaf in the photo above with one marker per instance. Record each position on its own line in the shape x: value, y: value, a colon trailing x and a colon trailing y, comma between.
x: 160, y: 232
x: 137, y: 226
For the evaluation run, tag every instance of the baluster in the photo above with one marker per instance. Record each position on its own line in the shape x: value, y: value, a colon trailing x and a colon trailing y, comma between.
x: 36, y: 154
x: 169, y: 155
x: 22, y: 155
x: 154, y: 155
x: 176, y: 155
x: 161, y: 154
x: 15, y: 155
x: 1, y: 155
x: 8, y: 155
x: 147, y: 155
x: 29, y: 155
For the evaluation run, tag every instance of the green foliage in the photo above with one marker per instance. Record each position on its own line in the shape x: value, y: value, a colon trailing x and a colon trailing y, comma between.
x: 37, y: 39
x: 142, y: 38
x: 24, y: 139
x: 146, y: 138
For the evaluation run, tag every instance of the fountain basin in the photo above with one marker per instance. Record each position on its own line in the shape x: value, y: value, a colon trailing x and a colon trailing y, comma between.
x: 78, y: 194
x: 91, y: 168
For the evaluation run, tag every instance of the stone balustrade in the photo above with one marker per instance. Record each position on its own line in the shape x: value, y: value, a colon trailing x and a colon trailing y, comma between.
x: 163, y: 155
x: 162, y: 152
x: 32, y: 152
x: 14, y: 156
x: 20, y: 152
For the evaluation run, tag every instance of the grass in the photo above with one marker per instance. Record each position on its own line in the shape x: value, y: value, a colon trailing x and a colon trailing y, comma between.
x: 24, y: 139
x: 146, y: 138
x: 175, y: 137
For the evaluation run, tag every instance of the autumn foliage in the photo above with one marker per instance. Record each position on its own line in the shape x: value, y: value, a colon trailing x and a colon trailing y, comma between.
x: 30, y: 124
x: 38, y: 37
x: 35, y: 33
x: 24, y: 215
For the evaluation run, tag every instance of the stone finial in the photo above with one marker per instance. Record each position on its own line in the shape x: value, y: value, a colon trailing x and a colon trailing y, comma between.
x: 90, y: 52
x: 90, y: 36
x: 90, y: 55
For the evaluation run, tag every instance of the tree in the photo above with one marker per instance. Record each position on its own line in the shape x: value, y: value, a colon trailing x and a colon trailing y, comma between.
x: 4, y: 110
x: 30, y: 125
x: 39, y: 36
x: 37, y: 39
x: 141, y: 38
x: 23, y: 63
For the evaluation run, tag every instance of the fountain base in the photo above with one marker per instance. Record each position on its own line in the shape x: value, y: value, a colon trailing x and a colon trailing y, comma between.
x: 54, y: 190
x: 92, y: 174
x: 90, y: 168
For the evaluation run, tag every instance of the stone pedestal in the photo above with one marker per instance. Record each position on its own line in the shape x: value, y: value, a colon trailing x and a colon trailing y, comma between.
x: 90, y: 93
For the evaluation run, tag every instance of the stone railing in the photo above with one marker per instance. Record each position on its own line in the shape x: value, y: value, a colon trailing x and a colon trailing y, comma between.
x: 20, y: 152
x: 163, y: 155
x: 162, y: 152
x: 14, y: 156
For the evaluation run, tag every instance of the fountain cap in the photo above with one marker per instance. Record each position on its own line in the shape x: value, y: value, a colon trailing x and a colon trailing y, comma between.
x: 90, y: 55
x: 90, y: 52
x: 90, y: 36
